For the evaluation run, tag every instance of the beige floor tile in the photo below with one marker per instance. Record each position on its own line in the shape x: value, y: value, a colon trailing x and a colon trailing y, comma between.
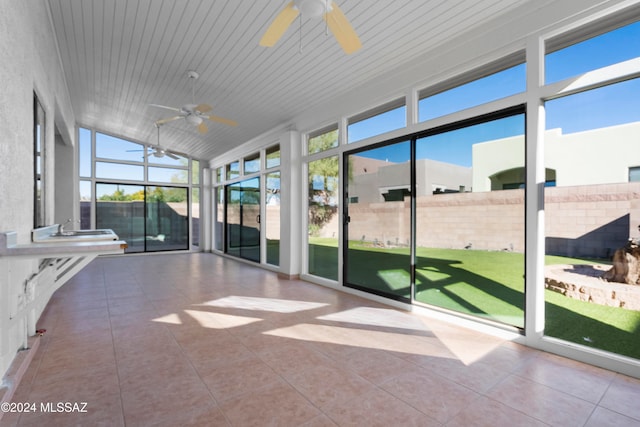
x: 378, y: 408
x: 274, y: 405
x: 542, y: 402
x: 602, y: 417
x: 145, y: 405
x: 436, y: 396
x: 571, y: 377
x: 477, y: 376
x: 486, y: 412
x: 376, y: 366
x: 623, y: 396
x: 198, y: 340
x: 324, y: 385
x: 238, y: 378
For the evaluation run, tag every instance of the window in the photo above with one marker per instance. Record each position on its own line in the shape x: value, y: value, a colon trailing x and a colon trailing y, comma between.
x: 168, y: 161
x: 233, y: 170
x: 39, y: 155
x: 122, y: 171
x: 252, y: 164
x: 272, y: 220
x: 380, y: 120
x: 273, y: 156
x: 322, y: 206
x: 168, y: 175
x: 109, y: 147
x: 498, y: 84
x: 219, y: 204
x: 565, y: 60
x: 195, y: 216
x: 86, y: 197
x: 220, y: 174
x: 323, y: 140
x: 592, y: 143
x: 195, y: 172
x: 85, y: 152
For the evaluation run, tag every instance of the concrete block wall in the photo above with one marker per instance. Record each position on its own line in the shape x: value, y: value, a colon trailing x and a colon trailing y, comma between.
x: 593, y: 220
x: 581, y: 221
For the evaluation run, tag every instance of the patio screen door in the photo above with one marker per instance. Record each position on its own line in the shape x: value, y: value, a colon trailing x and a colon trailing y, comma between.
x: 243, y: 219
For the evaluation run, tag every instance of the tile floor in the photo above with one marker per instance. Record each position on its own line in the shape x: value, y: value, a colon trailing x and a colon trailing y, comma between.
x: 195, y: 339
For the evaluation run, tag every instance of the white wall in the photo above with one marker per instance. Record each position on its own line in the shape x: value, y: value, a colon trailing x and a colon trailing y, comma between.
x: 29, y: 63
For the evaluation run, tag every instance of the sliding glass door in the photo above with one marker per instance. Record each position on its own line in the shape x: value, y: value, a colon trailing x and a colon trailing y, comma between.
x: 120, y: 207
x: 442, y: 222
x: 148, y: 218
x: 243, y: 219
x: 167, y: 219
x: 470, y: 219
x: 378, y: 220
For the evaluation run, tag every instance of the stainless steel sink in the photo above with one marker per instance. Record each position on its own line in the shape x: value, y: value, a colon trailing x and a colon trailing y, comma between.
x: 56, y: 234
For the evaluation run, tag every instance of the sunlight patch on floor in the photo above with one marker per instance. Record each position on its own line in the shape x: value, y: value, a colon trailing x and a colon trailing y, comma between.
x: 383, y: 317
x: 363, y: 338
x: 172, y: 319
x: 468, y: 347
x: 211, y: 320
x: 264, y: 304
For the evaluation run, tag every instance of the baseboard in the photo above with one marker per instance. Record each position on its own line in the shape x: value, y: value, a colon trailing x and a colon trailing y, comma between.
x: 19, y: 365
x: 285, y: 276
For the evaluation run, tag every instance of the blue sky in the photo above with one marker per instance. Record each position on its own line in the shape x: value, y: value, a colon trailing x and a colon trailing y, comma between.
x: 607, y: 106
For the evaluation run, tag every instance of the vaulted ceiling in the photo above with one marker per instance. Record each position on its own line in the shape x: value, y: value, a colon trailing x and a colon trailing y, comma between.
x: 120, y: 56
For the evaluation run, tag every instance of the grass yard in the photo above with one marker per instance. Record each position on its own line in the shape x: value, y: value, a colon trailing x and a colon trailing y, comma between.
x: 488, y: 284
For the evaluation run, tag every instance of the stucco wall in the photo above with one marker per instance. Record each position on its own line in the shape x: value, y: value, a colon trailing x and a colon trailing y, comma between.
x: 29, y: 63
x: 582, y: 158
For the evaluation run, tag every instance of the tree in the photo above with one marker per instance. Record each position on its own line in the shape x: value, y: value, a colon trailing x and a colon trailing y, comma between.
x: 323, y: 182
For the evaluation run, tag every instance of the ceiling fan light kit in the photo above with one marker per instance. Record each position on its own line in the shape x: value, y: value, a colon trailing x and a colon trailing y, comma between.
x: 193, y: 119
x: 312, y: 8
x: 336, y: 21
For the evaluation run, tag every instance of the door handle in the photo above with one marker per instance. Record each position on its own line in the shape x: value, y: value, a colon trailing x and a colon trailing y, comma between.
x: 258, y: 218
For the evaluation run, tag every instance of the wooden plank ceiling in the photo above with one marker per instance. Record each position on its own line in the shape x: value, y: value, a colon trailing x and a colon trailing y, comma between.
x: 119, y: 56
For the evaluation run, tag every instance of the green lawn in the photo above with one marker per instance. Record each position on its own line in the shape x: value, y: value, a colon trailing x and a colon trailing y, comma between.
x: 488, y: 284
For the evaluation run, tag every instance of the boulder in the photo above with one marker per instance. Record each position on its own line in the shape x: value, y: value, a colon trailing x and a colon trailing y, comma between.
x: 626, y: 265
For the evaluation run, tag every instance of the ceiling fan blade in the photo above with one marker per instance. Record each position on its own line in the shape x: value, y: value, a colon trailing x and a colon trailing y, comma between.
x: 342, y: 29
x: 279, y: 25
x: 203, y: 108
x: 171, y: 155
x: 169, y: 119
x: 165, y: 107
x: 222, y: 120
x: 202, y: 128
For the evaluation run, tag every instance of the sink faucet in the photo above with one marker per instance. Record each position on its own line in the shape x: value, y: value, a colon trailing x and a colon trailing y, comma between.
x: 61, y: 226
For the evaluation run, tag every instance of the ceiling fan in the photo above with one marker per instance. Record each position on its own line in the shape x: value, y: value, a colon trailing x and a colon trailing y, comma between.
x: 336, y: 21
x: 157, y: 150
x: 194, y: 114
